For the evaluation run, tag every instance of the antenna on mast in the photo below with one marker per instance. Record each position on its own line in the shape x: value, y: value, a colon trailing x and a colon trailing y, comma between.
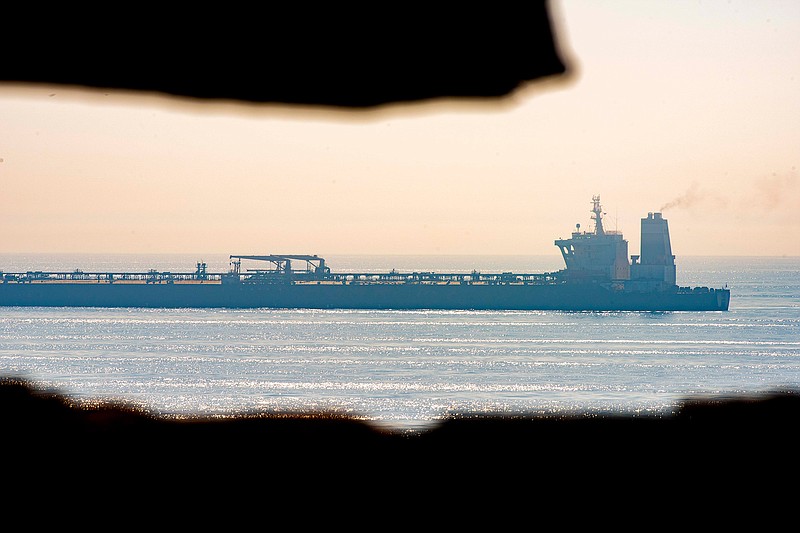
x: 597, y: 212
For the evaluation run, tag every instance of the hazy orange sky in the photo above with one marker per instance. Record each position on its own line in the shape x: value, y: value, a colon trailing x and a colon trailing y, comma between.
x: 687, y: 106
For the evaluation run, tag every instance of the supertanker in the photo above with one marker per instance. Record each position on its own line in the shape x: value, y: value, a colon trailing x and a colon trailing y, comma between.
x: 598, y: 276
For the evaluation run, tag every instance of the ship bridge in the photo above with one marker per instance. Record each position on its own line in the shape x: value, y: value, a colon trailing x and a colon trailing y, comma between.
x: 595, y: 255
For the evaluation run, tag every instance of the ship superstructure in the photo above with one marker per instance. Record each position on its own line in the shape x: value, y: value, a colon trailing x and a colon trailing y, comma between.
x: 601, y: 255
x: 597, y: 255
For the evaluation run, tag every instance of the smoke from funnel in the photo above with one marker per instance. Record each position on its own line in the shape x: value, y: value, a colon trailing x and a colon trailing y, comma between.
x: 687, y: 199
x: 780, y: 191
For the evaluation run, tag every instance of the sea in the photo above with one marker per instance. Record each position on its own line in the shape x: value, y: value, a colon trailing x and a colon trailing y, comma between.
x: 408, y: 370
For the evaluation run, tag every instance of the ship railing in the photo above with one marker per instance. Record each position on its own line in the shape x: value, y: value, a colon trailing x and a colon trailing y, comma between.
x: 439, y: 278
x: 152, y: 276
x: 158, y: 277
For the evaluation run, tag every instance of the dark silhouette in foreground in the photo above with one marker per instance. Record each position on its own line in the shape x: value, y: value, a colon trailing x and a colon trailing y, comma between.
x: 330, y: 54
x: 113, y: 445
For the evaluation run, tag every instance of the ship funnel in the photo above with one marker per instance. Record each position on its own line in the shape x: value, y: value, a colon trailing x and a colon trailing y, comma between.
x: 656, y: 261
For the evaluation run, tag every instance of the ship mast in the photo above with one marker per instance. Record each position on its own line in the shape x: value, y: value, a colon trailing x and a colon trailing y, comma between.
x: 597, y: 213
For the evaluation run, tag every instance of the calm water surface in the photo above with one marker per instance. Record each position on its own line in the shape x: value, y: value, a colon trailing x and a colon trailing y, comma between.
x: 407, y: 369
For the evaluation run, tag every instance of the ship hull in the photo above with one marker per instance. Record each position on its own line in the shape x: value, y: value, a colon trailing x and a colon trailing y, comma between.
x: 561, y: 297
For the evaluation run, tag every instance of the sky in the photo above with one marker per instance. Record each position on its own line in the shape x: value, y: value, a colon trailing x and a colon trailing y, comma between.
x: 691, y: 108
